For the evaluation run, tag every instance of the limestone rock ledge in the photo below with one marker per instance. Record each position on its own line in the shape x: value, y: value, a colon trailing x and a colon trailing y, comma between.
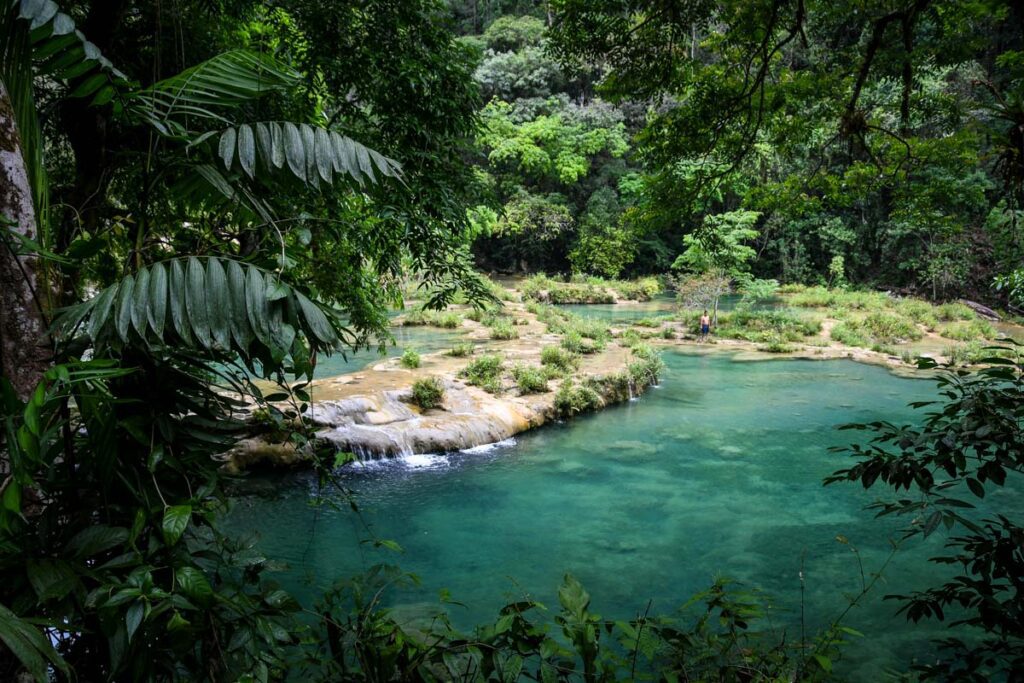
x: 384, y: 424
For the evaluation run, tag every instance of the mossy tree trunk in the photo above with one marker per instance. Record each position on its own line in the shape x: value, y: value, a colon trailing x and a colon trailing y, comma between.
x: 25, y: 349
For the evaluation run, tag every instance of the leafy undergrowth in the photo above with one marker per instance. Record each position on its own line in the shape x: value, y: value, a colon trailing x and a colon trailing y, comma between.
x: 875, y: 320
x: 428, y: 393
x: 762, y: 327
x: 589, y: 290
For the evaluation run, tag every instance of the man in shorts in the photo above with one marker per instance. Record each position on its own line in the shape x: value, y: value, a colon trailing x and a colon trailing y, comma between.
x: 705, y: 326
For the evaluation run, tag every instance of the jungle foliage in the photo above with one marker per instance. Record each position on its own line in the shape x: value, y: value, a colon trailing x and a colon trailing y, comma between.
x: 877, y: 145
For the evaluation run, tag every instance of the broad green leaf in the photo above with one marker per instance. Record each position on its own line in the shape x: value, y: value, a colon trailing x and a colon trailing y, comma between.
x: 51, y: 579
x: 293, y: 150
x: 95, y: 540
x: 100, y: 313
x: 316, y: 320
x: 157, y: 311
x: 218, y: 303
x: 124, y: 307
x: 265, y: 144
x: 133, y: 618
x: 179, y: 316
x: 140, y: 302
x: 195, y: 302
x: 309, y: 147
x: 256, y: 305
x: 30, y: 646
x: 324, y: 153
x: 277, y: 145
x: 240, y: 327
x: 194, y: 585
x: 227, y: 146
x: 176, y: 519
x: 246, y: 150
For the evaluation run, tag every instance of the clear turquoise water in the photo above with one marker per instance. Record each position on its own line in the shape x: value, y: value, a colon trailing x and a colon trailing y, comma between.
x: 421, y: 339
x: 660, y: 306
x: 717, y: 472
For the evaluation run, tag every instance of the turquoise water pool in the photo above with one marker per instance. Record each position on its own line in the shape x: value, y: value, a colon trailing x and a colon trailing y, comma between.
x: 421, y: 339
x: 662, y: 305
x: 716, y: 472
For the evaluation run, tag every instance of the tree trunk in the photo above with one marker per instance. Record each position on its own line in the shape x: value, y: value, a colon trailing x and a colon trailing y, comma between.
x: 25, y: 350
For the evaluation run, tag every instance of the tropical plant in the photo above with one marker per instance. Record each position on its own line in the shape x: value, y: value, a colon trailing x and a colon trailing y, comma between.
x: 969, y: 446
x: 192, y: 269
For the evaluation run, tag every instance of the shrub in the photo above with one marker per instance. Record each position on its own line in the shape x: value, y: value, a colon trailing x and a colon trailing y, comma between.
x: 630, y: 338
x: 410, y: 359
x: 530, y: 380
x: 503, y: 330
x: 850, y: 334
x: 969, y: 331
x: 955, y: 311
x: 449, y: 319
x: 667, y: 333
x: 588, y: 290
x: 763, y: 326
x: 636, y: 290
x: 415, y: 317
x: 461, y: 350
x: 478, y: 314
x: 646, y: 367
x: 822, y: 297
x: 498, y: 291
x: 776, y: 344
x: 485, y: 372
x: 920, y: 312
x: 575, y: 343
x: 428, y: 393
x: 571, y: 399
x: 887, y: 328
x: 555, y: 357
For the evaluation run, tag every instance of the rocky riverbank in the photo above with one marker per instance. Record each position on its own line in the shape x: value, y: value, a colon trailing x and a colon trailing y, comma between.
x: 528, y: 364
x: 373, y: 413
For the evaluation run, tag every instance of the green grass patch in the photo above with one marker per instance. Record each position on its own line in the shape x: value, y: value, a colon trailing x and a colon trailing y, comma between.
x: 428, y: 393
x: 966, y: 331
x: 588, y: 290
x: 530, y: 380
x: 561, y: 359
x: 444, y: 319
x: 646, y: 366
x: 762, y: 327
x: 503, y: 330
x: 573, y: 399
x: 485, y: 372
x: 461, y: 350
x: 410, y: 359
x: 953, y: 312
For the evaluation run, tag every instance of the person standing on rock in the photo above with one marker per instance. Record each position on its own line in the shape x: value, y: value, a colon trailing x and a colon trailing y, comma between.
x: 705, y: 326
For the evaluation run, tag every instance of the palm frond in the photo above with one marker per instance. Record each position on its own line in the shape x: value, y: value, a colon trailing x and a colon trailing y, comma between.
x: 210, y: 89
x: 310, y: 153
x: 35, y: 36
x: 214, y: 305
x: 62, y: 51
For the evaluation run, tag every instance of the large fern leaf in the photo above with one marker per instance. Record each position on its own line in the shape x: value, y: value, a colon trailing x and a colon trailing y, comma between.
x: 310, y: 153
x: 210, y: 89
x: 211, y: 304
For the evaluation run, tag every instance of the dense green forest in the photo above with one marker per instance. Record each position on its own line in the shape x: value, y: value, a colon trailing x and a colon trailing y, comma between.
x: 206, y: 202
x: 876, y: 147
